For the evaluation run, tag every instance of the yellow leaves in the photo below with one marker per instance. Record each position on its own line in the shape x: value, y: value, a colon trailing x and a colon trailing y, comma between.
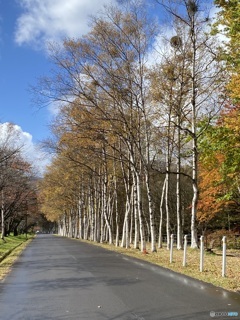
x: 234, y: 86
x: 56, y: 188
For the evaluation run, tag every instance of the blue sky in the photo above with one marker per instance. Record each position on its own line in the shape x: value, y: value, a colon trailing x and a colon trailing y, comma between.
x: 20, y: 66
x: 25, y: 28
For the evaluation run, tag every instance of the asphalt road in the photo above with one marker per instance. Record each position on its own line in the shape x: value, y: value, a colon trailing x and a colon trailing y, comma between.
x: 58, y: 278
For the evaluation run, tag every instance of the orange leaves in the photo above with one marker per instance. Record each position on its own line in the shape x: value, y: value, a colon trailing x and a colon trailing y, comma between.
x: 211, y: 190
x: 220, y: 163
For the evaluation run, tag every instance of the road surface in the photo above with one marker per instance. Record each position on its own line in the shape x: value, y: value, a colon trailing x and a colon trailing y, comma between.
x: 58, y: 278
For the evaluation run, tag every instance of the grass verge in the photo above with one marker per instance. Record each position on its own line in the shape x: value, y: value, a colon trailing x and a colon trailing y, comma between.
x: 212, y: 272
x: 10, y: 251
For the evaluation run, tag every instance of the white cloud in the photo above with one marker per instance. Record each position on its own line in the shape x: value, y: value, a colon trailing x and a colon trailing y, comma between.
x: 52, y: 20
x: 16, y: 137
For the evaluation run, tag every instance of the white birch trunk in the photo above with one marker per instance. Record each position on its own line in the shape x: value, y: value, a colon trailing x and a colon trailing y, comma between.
x: 2, y: 217
x: 140, y: 214
x: 70, y: 229
x: 105, y: 206
x: 136, y: 219
x: 80, y: 213
x: 96, y: 212
x: 160, y: 239
x: 125, y: 231
x: 178, y: 191
x: 85, y: 224
x: 60, y: 228
x: 116, y: 211
x: 151, y: 213
x: 131, y: 223
x: 167, y: 211
x: 194, y: 139
x: 102, y: 217
x: 64, y: 225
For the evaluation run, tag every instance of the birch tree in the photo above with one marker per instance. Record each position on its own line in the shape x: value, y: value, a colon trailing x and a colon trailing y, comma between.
x: 206, y: 79
x: 106, y: 71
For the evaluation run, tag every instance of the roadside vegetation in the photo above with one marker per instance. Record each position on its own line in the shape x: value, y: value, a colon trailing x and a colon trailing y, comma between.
x: 18, y: 187
x: 10, y: 250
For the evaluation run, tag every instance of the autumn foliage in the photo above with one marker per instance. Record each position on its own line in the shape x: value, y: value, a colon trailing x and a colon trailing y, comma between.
x: 220, y: 166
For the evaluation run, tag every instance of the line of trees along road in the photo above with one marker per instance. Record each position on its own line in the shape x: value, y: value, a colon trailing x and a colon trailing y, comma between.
x: 18, y: 193
x: 129, y: 132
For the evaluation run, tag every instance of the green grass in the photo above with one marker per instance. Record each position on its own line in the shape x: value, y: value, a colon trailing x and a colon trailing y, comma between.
x: 10, y: 251
x: 10, y: 243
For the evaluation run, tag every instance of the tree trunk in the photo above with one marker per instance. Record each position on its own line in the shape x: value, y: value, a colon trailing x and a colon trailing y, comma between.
x: 161, y: 215
x: 178, y: 190
x: 105, y: 206
x: 194, y: 139
x: 2, y: 217
x: 167, y: 211
x: 151, y: 213
x: 140, y: 214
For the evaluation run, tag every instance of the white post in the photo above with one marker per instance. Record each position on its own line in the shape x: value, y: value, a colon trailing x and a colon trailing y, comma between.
x: 201, y: 253
x: 2, y: 217
x: 224, y: 256
x: 185, y: 251
x: 171, y: 248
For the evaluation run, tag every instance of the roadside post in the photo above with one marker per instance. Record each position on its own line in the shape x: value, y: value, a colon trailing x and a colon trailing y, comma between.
x: 171, y: 248
x: 224, y: 262
x: 185, y: 251
x: 201, y: 253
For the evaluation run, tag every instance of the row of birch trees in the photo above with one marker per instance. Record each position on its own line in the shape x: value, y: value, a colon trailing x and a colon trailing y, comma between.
x: 125, y: 168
